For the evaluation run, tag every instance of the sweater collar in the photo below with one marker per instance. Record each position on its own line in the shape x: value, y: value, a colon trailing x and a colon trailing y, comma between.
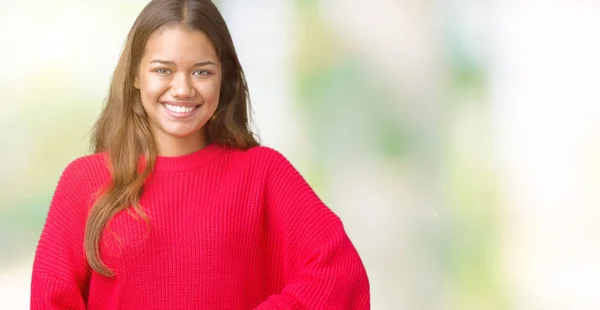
x: 189, y: 161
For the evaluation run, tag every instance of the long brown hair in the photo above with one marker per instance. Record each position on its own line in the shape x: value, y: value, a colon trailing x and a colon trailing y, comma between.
x: 122, y: 130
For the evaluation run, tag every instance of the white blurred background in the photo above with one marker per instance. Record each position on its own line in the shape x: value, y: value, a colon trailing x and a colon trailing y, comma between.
x: 459, y: 141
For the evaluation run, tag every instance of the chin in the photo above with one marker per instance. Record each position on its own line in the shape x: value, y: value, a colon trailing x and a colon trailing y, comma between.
x: 185, y: 132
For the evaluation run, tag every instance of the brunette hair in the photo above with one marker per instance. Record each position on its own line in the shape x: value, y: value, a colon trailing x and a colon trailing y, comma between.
x: 122, y: 130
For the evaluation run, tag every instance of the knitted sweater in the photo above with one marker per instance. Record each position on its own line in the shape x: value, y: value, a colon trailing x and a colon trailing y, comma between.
x: 229, y: 229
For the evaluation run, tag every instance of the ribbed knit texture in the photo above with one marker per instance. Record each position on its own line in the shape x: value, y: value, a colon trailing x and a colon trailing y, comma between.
x: 229, y: 229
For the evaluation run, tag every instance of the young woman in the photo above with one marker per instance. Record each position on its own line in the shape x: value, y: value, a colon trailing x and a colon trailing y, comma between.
x: 179, y: 208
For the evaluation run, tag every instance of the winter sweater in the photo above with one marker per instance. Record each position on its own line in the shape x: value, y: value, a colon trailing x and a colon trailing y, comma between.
x: 228, y: 229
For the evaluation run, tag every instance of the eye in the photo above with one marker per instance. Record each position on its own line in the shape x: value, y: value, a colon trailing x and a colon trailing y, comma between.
x: 162, y: 71
x: 202, y: 72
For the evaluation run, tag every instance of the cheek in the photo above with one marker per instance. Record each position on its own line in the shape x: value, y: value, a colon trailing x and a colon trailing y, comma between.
x: 152, y: 87
x: 210, y: 92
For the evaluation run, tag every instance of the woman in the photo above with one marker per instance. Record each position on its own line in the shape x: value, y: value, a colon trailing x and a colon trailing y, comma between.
x: 179, y: 208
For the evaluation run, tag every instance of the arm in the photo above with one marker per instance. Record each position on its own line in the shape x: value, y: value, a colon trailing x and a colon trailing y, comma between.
x: 322, y: 268
x: 60, y: 270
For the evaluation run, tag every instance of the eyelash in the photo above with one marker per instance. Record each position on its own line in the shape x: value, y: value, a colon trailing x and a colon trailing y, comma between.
x: 207, y: 72
x: 161, y: 71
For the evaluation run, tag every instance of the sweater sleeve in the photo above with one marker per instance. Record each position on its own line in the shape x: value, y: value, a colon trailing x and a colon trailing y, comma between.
x: 322, y: 269
x: 60, y: 271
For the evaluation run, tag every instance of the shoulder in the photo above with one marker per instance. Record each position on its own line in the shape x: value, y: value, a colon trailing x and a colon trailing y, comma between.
x: 261, y: 162
x: 84, y: 165
x: 85, y: 172
x: 77, y: 188
x: 266, y: 153
x: 263, y: 156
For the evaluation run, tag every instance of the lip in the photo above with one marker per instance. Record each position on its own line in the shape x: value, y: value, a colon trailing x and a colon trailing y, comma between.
x: 184, y: 104
x: 181, y: 115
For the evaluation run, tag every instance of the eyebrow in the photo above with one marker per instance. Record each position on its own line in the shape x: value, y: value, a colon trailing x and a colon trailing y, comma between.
x: 198, y: 64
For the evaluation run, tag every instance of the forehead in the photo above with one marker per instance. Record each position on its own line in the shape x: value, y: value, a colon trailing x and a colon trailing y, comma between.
x: 180, y: 44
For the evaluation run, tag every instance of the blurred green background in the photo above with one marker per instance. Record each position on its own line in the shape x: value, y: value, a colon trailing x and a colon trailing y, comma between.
x: 457, y: 140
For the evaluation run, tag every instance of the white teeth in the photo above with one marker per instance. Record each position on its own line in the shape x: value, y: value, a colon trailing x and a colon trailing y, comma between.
x: 179, y: 109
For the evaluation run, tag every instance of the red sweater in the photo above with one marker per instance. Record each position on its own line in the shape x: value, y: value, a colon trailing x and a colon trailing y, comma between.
x: 229, y: 229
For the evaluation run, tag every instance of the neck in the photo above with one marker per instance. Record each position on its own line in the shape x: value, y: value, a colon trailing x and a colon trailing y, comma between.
x: 170, y: 146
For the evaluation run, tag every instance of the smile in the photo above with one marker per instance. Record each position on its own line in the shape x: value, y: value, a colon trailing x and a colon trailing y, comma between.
x: 179, y: 109
x: 180, y: 112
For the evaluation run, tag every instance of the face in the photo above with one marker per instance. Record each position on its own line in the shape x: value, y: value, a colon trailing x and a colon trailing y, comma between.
x: 179, y: 79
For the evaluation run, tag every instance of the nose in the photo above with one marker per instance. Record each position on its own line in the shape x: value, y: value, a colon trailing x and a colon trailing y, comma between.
x: 181, y: 87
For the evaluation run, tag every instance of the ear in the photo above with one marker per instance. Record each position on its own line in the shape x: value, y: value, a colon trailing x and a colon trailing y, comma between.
x: 136, y: 81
